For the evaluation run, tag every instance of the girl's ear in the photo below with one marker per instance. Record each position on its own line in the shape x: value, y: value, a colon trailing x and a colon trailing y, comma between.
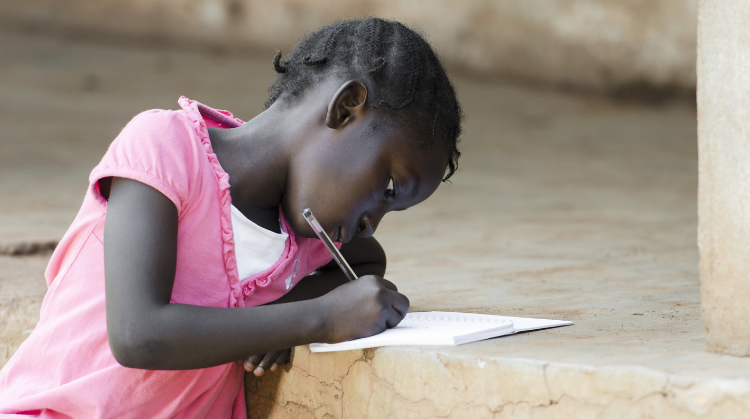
x: 346, y: 104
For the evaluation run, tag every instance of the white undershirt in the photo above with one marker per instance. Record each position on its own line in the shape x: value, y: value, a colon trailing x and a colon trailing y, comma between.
x: 256, y: 248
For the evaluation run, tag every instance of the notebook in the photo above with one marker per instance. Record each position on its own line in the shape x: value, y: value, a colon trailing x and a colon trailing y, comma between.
x: 442, y: 328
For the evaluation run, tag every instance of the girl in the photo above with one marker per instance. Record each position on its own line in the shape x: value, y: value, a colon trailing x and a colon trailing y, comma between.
x: 190, y: 252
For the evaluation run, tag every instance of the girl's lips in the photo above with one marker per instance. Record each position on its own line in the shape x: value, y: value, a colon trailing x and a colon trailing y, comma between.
x: 336, y: 234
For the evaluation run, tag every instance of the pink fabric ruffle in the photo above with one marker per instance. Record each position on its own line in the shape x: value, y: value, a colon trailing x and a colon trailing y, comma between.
x: 305, y: 254
x: 192, y: 108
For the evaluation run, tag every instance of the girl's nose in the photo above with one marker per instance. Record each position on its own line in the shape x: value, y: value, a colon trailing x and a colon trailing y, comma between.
x: 366, y: 226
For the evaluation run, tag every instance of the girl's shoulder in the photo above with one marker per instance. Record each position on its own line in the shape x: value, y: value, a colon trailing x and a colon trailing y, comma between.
x: 159, y: 140
x: 158, y: 127
x: 161, y: 148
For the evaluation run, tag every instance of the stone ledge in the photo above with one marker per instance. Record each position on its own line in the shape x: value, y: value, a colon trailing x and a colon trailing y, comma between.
x: 420, y: 382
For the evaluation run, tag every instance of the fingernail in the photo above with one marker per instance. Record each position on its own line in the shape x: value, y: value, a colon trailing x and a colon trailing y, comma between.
x: 258, y: 372
x: 273, y: 367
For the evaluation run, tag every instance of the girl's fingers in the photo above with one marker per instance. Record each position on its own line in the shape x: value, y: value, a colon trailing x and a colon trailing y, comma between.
x: 252, y: 362
x: 282, y: 359
x: 259, y: 364
x: 390, y: 285
x: 400, y: 303
x: 392, y: 318
x: 397, y: 311
x: 265, y: 364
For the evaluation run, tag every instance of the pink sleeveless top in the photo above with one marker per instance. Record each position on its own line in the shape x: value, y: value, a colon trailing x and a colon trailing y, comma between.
x: 65, y: 368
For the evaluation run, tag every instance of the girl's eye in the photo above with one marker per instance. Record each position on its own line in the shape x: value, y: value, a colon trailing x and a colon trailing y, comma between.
x: 390, y: 191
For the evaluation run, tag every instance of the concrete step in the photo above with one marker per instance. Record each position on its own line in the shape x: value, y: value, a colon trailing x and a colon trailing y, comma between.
x: 460, y: 383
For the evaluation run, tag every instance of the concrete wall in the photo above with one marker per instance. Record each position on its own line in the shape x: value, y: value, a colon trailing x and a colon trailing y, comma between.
x: 604, y: 45
x: 724, y: 167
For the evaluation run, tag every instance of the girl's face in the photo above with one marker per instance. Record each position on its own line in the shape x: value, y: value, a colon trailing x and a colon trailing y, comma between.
x: 351, y: 177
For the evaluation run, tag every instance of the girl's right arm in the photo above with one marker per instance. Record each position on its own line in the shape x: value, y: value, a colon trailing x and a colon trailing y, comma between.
x: 146, y: 331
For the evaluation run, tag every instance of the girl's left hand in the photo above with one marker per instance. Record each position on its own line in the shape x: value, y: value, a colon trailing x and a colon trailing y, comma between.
x: 259, y: 364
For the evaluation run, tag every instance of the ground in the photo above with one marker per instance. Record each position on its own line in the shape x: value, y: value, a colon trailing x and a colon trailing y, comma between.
x: 565, y: 207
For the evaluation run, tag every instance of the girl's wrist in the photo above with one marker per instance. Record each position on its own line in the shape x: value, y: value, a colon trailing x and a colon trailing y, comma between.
x: 322, y: 321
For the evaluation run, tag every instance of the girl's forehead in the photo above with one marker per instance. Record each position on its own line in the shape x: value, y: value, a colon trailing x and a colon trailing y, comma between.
x: 416, y: 155
x: 413, y: 141
x: 409, y: 133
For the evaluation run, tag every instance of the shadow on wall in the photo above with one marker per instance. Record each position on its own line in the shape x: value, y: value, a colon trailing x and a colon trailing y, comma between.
x: 643, y: 49
x: 261, y: 393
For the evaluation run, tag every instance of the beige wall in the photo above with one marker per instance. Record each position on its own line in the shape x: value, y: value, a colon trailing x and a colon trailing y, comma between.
x: 591, y: 44
x: 724, y: 173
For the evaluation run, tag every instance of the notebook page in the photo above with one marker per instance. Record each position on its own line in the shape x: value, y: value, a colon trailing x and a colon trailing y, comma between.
x: 430, y: 328
x: 526, y: 324
x: 459, y: 328
x: 521, y: 324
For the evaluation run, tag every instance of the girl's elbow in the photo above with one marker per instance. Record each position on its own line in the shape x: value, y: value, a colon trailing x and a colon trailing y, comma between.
x: 123, y: 355
x: 138, y: 352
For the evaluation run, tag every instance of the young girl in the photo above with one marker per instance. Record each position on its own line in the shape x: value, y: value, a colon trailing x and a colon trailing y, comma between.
x: 190, y: 253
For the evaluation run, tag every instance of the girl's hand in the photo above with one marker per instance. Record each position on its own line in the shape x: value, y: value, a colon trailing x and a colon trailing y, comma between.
x: 259, y: 364
x: 371, y: 287
x: 362, y: 308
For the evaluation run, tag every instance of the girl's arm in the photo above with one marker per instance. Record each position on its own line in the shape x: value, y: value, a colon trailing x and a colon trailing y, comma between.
x: 146, y: 331
x: 364, y: 255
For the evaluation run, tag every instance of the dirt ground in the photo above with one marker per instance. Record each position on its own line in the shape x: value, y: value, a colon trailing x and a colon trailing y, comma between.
x: 565, y: 206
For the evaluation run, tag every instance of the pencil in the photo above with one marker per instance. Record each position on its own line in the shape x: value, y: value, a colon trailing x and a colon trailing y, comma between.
x: 323, y: 236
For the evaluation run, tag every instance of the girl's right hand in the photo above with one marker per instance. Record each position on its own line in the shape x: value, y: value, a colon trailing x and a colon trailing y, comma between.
x: 362, y: 308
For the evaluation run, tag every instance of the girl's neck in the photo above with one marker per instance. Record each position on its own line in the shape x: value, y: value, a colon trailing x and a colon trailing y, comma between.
x: 256, y: 158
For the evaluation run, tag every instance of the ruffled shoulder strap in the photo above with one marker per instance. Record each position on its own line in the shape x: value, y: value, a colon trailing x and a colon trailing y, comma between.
x: 196, y: 112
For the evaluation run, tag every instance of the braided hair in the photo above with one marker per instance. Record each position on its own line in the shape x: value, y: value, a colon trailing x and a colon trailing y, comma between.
x: 404, y: 76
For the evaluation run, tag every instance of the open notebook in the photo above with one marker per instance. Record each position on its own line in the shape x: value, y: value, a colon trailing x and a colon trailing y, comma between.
x: 443, y: 329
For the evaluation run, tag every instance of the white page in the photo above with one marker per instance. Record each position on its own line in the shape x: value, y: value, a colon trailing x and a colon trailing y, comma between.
x: 443, y: 329
x: 527, y: 324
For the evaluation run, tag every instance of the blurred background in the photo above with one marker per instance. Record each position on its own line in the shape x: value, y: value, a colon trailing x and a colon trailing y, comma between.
x: 74, y: 71
x: 602, y: 45
x: 579, y: 167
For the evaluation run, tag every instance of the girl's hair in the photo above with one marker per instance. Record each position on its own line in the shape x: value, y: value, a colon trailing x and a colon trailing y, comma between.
x: 404, y: 76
